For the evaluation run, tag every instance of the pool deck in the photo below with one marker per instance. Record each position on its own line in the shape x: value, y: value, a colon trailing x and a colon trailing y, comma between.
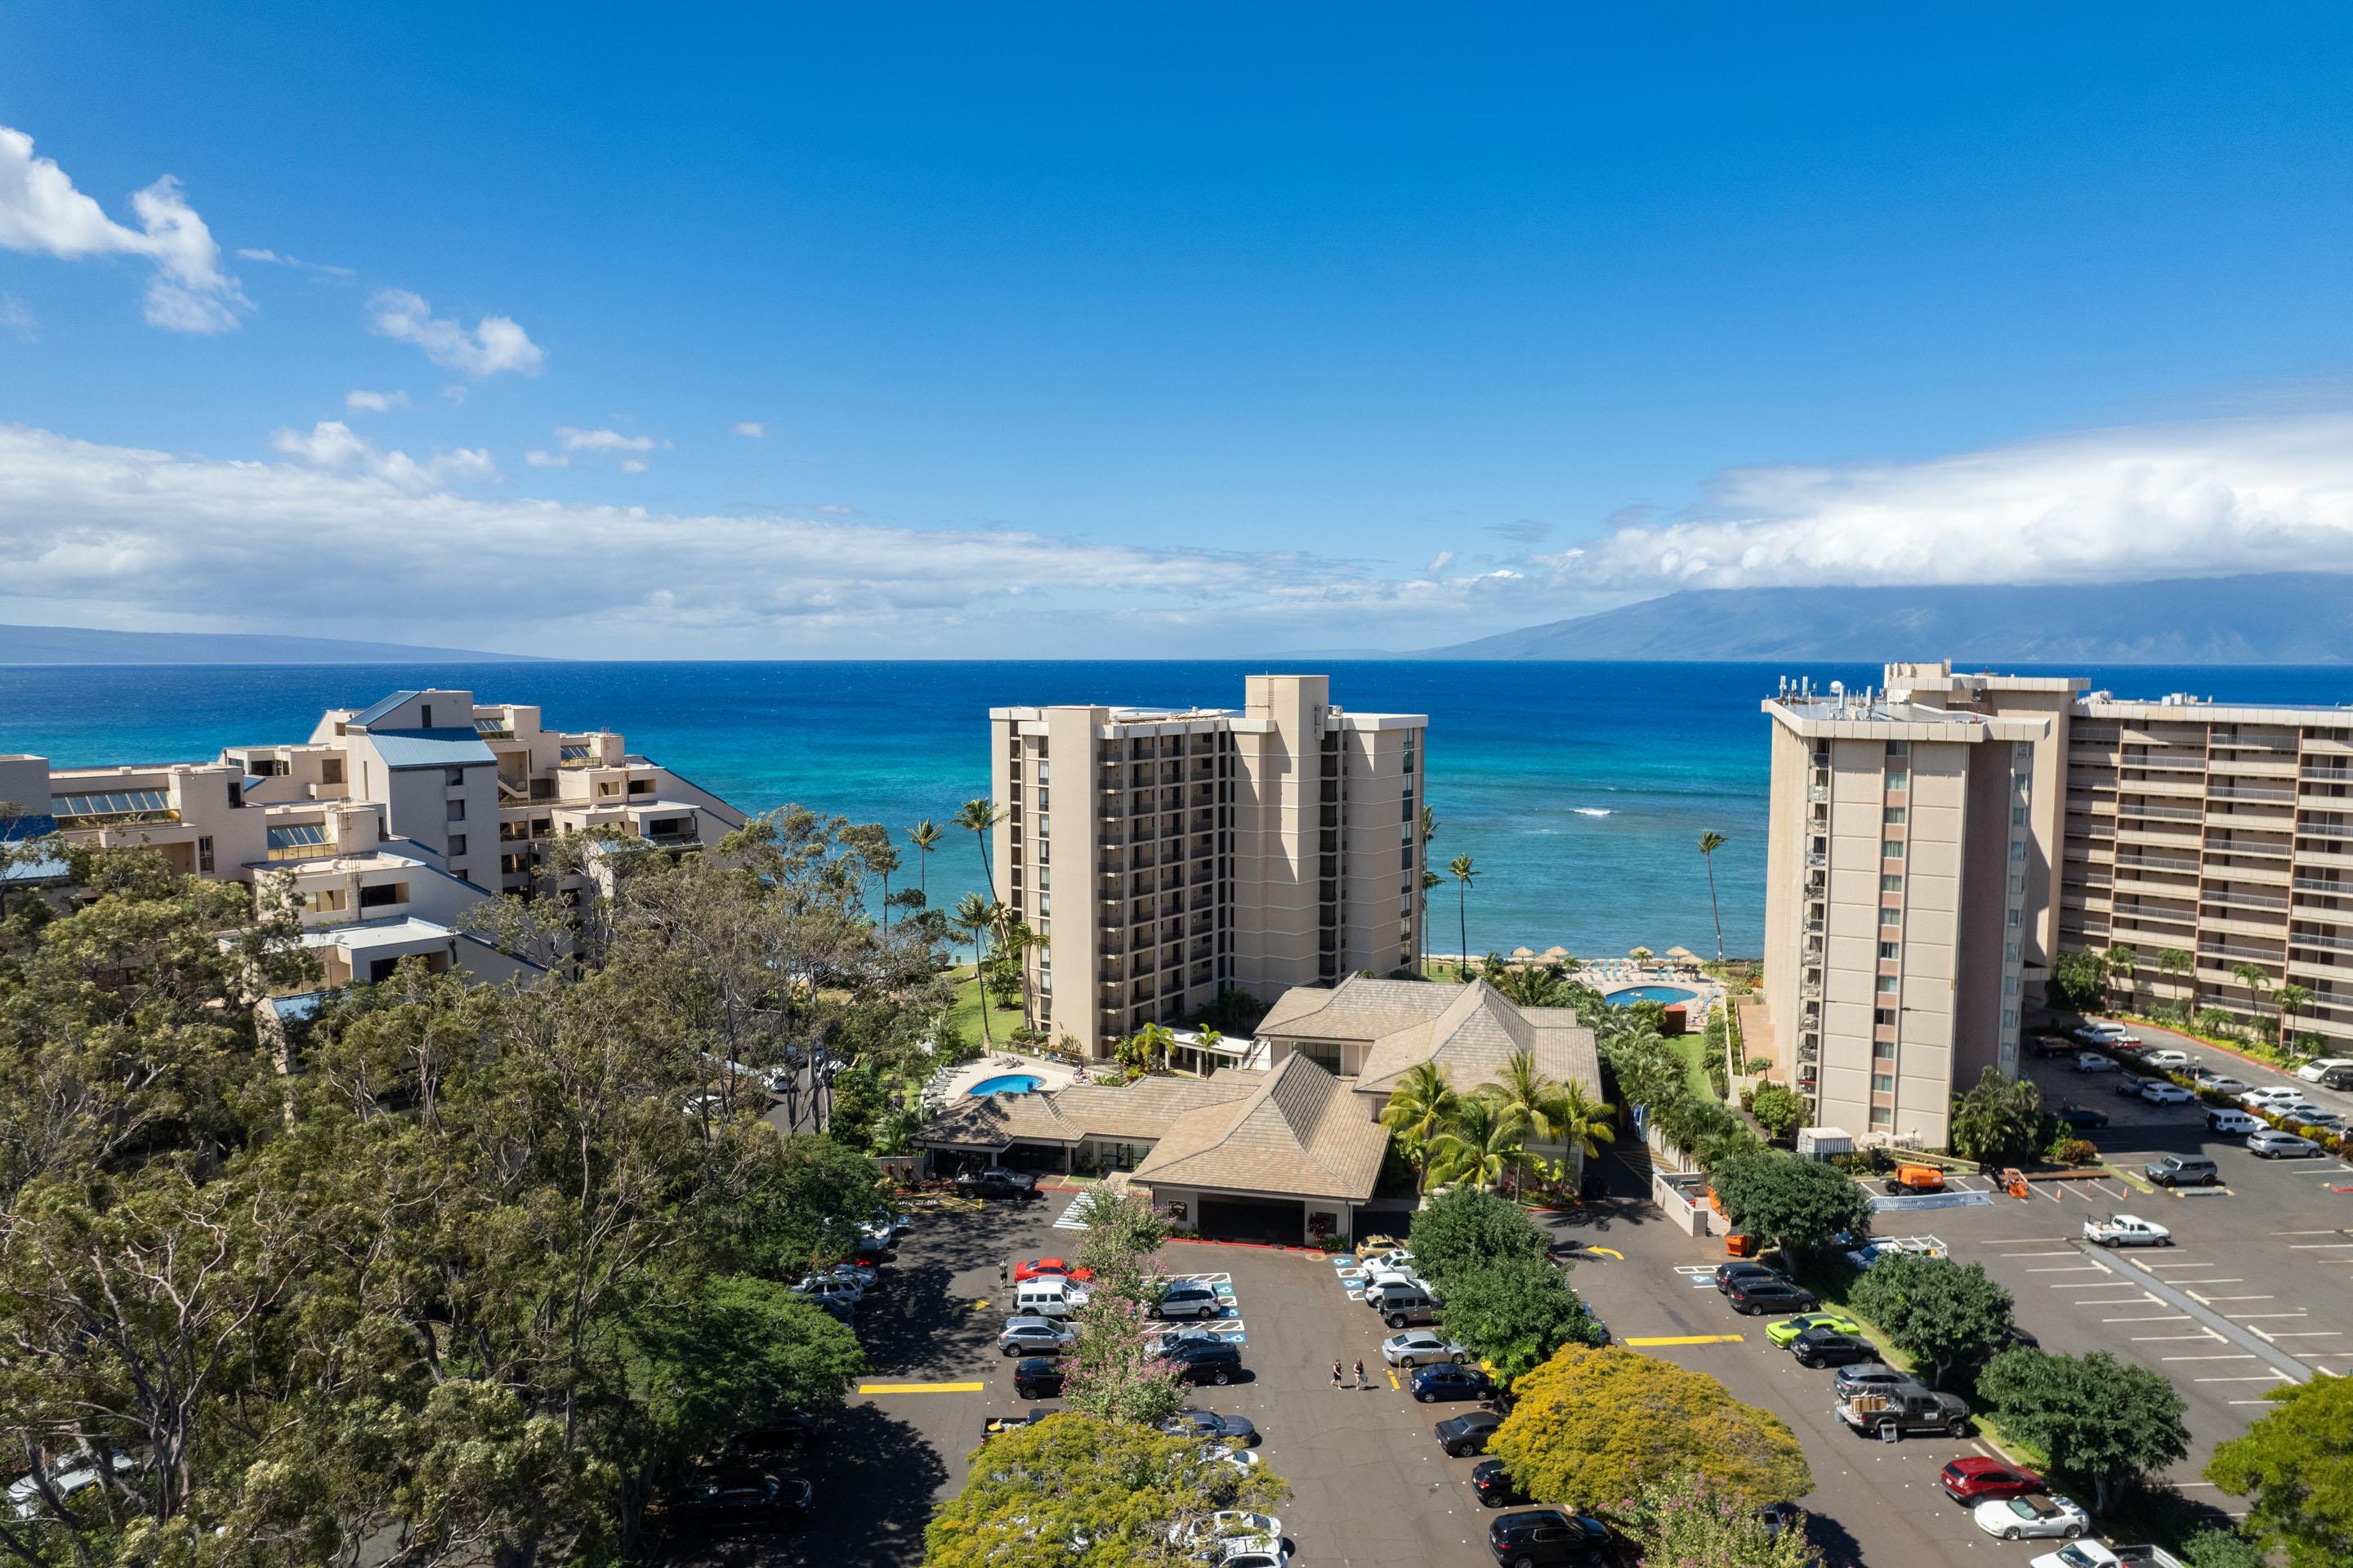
x: 997, y: 1064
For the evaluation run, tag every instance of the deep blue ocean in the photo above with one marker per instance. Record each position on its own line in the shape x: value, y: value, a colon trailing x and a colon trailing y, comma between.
x: 1579, y: 790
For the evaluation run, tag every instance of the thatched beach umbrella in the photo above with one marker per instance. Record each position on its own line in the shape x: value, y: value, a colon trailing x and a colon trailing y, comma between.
x: 1555, y: 953
x: 1685, y: 954
x: 1523, y: 952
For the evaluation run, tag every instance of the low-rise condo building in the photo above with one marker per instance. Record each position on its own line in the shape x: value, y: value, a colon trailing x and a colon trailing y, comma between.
x: 1938, y: 846
x: 388, y: 823
x: 1274, y: 845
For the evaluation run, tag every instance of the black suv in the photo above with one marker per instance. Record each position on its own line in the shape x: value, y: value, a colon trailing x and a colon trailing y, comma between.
x: 1493, y: 1485
x: 1461, y: 1435
x: 1829, y: 1348
x: 1745, y: 1268
x: 1542, y: 1536
x: 1203, y: 1361
x: 1037, y: 1378
x: 994, y: 1182
x: 1751, y: 1296
x: 735, y: 1500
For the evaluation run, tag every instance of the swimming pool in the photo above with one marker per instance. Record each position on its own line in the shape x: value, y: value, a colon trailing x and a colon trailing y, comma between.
x: 1007, y: 1084
x: 1670, y: 994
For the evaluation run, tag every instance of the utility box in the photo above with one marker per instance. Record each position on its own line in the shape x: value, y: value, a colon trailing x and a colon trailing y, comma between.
x: 1821, y: 1142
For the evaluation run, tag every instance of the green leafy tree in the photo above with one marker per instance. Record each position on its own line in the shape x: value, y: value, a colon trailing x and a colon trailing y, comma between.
x: 1466, y: 1229
x: 1569, y: 1437
x: 1515, y: 1313
x: 1110, y: 1369
x: 2296, y: 1464
x: 2077, y: 980
x: 2214, y: 1547
x: 1078, y: 1491
x: 1687, y: 1522
x: 1419, y: 1108
x: 1779, y: 1110
x: 1484, y: 1141
x: 1943, y: 1314
x: 1528, y: 984
x: 1783, y: 1201
x: 2000, y: 1118
x: 2099, y: 1419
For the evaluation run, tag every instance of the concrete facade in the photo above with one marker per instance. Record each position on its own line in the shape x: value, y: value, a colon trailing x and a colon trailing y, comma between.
x: 1267, y: 847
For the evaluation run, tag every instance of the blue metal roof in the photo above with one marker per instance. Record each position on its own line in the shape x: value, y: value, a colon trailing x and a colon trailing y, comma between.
x: 431, y: 747
x: 376, y: 710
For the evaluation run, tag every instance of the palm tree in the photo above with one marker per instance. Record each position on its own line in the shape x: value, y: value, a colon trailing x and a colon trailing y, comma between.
x: 1430, y: 879
x: 2178, y: 961
x: 926, y: 836
x: 2257, y: 981
x: 1520, y: 1089
x: 2292, y: 997
x: 981, y: 815
x: 972, y: 917
x: 1479, y: 1145
x: 1423, y: 1102
x: 883, y: 860
x: 2123, y: 959
x: 1464, y: 875
x: 1709, y: 843
x: 1585, y: 1121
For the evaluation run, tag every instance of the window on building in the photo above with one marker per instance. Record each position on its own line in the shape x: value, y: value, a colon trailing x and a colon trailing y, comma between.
x: 1890, y: 882
x: 2015, y: 915
x: 456, y: 812
x: 379, y: 895
x: 1883, y: 1050
x: 204, y: 854
x: 1891, y: 849
x: 1886, y: 1015
x: 1883, y: 1082
x: 1887, y: 984
x: 1893, y: 816
x: 457, y: 778
x: 2018, y: 816
x: 1883, y: 1115
x: 2008, y: 1019
x: 1891, y: 949
x: 2018, y: 849
x: 428, y: 715
x: 456, y: 846
x: 1898, y: 779
x: 1044, y: 827
x: 1891, y: 917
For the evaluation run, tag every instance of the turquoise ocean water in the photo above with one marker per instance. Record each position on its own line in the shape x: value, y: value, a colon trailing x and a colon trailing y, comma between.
x: 1580, y: 790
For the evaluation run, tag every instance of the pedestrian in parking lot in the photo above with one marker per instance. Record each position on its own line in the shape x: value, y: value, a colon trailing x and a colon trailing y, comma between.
x: 1335, y: 1377
x: 1360, y: 1376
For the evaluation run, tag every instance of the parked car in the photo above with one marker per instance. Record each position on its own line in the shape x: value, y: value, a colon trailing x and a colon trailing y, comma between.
x: 1751, y: 1296
x: 2266, y: 1098
x: 1253, y: 1552
x: 2158, y: 1092
x: 1037, y: 1378
x: 1241, y: 1460
x: 828, y: 1288
x: 2221, y: 1119
x: 2129, y: 1086
x: 1493, y: 1485
x: 1869, y: 1377
x: 1209, y: 1424
x: 2317, y: 1070
x: 2222, y: 1084
x: 2272, y: 1144
x: 2098, y: 1032
x: 2183, y: 1170
x: 865, y: 1276
x: 1396, y: 1258
x: 2083, y: 1119
x: 1051, y: 1267
x: 1741, y: 1268
x: 2127, y: 1230
x: 2327, y: 1121
x: 1780, y: 1517
x: 732, y: 1500
x: 995, y: 1182
x: 2169, y: 1061
x: 25, y: 1500
x: 2048, y: 1045
x: 2339, y: 1077
x: 1975, y: 1480
x: 1447, y: 1380
x: 1187, y: 1299
x: 1788, y: 1328
x: 1540, y: 1537
x: 1420, y: 1346
x: 1036, y: 1337
x: 787, y: 1438
x: 1829, y: 1348
x: 1468, y: 1433
x: 2093, y: 1062
x: 2013, y: 1519
x: 1889, y: 1413
x: 1203, y: 1361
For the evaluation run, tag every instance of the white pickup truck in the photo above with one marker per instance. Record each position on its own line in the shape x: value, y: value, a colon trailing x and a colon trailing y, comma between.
x: 2127, y: 1230
x: 2092, y: 1554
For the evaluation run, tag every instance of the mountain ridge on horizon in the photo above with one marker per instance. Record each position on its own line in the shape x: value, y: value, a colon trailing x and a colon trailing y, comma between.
x: 96, y: 645
x: 2263, y: 618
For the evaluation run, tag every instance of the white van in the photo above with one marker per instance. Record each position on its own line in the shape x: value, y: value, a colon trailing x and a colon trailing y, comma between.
x: 1047, y: 1298
x: 2313, y: 1072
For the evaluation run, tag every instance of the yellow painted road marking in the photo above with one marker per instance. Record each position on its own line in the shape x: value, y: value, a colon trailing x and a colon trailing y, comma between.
x: 1690, y: 1340
x: 1608, y: 1252
x: 921, y: 1387
x: 1393, y: 1379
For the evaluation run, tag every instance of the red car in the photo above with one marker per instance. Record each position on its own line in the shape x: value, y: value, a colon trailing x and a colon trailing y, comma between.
x: 1051, y: 1269
x: 1973, y: 1481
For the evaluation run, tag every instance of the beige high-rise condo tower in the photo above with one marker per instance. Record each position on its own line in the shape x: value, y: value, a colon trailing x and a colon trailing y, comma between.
x: 1270, y: 846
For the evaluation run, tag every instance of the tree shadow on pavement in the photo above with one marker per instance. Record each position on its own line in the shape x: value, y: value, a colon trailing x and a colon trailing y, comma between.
x: 1839, y: 1548
x: 874, y: 1478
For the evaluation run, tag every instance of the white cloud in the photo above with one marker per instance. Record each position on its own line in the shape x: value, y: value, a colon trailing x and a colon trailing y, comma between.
x: 752, y: 428
x: 275, y: 260
x: 375, y: 402
x: 632, y: 465
x: 43, y: 214
x: 2173, y: 500
x: 82, y: 522
x: 331, y: 444
x: 496, y: 344
x: 16, y: 319
x: 579, y: 440
x: 538, y: 458
x: 454, y: 393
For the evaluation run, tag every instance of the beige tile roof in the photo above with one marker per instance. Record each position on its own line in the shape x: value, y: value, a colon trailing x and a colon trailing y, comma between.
x: 1145, y: 1109
x: 1468, y: 1029
x: 1303, y: 1135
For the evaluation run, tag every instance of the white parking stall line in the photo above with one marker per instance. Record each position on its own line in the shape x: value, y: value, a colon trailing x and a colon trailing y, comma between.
x: 2207, y: 1336
x: 2310, y: 1334
x: 2159, y: 1318
x: 2085, y: 1285
x: 2259, y: 1317
x: 2319, y: 1247
x: 2240, y: 1356
x: 2328, y: 1232
x: 2211, y: 1300
x: 2074, y: 1268
x: 2267, y: 1377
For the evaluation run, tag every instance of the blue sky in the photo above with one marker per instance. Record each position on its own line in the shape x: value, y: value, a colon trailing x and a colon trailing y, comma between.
x: 1094, y: 331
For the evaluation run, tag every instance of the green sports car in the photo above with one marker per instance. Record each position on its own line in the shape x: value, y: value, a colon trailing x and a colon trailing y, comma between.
x: 1788, y: 1328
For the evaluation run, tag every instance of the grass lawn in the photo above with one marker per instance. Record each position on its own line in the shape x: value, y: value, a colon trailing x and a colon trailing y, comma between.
x: 1695, y: 1054
x: 965, y: 1013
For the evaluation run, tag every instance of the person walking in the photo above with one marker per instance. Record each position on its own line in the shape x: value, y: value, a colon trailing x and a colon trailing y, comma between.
x: 1335, y: 1377
x: 1360, y: 1376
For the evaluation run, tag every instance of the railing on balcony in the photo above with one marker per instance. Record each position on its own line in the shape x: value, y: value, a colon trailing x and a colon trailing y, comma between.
x: 2156, y: 861
x: 2249, y: 900
x: 2314, y: 939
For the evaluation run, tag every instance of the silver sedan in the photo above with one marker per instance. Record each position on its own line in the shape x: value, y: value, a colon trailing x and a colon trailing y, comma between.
x: 1421, y: 1347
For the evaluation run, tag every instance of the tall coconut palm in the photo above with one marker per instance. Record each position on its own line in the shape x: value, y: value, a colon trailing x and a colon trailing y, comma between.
x: 2292, y: 997
x: 975, y: 918
x: 1709, y: 843
x: 2257, y: 980
x: 1014, y: 940
x: 2123, y: 959
x: 883, y: 860
x: 926, y: 836
x: 1430, y: 879
x: 980, y: 817
x: 1585, y: 1121
x: 1520, y: 1089
x: 1479, y: 1145
x: 2180, y: 961
x: 1423, y: 1102
x: 1465, y: 874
